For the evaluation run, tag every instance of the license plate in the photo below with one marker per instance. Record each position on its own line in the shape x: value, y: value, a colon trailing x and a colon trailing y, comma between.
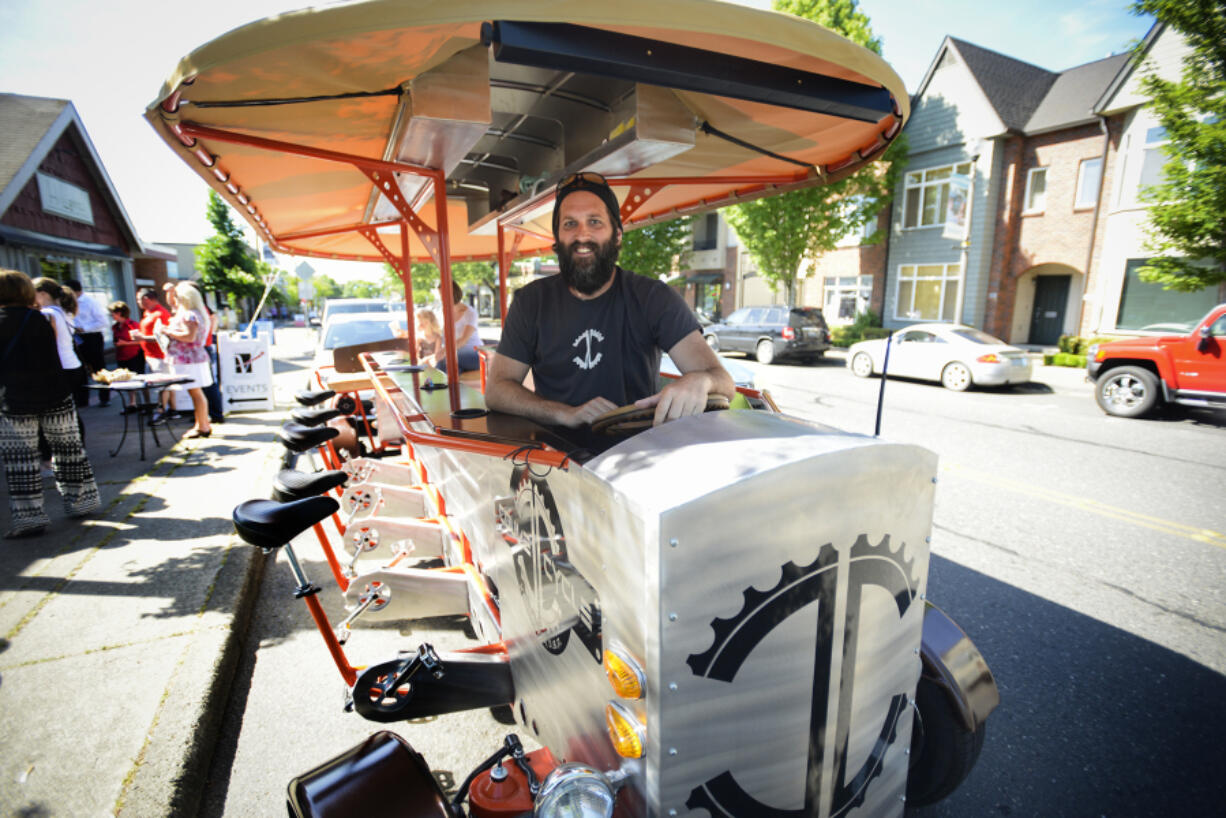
x: 1017, y: 361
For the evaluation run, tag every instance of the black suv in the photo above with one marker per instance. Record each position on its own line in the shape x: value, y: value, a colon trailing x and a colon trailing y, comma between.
x: 772, y: 332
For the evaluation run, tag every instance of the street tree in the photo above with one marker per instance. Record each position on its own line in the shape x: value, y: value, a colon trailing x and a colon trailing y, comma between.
x: 362, y: 289
x: 657, y: 249
x: 1187, y: 216
x: 226, y: 264
x: 425, y: 278
x: 781, y: 232
x: 325, y: 287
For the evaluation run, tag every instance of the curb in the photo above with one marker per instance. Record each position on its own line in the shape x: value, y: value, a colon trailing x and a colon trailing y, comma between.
x: 169, y: 776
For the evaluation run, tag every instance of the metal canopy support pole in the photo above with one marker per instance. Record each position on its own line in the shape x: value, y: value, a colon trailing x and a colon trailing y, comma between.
x: 406, y: 278
x: 443, y: 257
x: 503, y: 273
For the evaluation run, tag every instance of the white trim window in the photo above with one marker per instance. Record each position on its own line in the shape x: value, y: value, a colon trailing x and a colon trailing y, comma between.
x: 926, y: 195
x: 1089, y: 179
x: 927, y: 292
x: 844, y: 297
x: 1036, y: 191
x: 1153, y: 157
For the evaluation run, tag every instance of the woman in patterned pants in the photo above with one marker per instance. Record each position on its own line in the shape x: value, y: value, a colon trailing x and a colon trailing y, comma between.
x: 35, y: 397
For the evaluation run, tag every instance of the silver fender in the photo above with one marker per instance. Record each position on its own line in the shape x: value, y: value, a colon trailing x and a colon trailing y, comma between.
x: 951, y: 660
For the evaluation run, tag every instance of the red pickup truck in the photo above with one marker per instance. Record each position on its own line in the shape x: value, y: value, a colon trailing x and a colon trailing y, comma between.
x: 1135, y: 375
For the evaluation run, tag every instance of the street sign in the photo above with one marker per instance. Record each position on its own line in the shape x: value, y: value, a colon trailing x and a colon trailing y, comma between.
x: 304, y: 271
x: 246, y: 371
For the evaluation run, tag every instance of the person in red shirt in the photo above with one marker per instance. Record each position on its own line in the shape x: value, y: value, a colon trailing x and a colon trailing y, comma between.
x: 128, y: 352
x: 152, y: 314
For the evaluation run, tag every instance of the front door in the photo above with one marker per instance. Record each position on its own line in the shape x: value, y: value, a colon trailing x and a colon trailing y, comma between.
x: 1050, y: 300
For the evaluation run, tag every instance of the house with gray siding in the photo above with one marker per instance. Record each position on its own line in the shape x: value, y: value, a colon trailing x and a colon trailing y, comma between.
x: 993, y: 220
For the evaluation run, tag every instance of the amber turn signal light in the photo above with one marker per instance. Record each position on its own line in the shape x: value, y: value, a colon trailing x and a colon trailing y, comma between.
x: 625, y: 730
x: 624, y: 674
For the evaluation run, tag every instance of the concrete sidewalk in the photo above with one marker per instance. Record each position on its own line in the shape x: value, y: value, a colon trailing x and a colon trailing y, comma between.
x: 120, y: 632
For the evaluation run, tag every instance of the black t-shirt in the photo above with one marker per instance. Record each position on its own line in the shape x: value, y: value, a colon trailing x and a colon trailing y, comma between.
x: 607, y: 346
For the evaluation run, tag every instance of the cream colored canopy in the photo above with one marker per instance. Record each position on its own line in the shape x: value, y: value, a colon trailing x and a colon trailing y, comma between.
x: 278, y: 115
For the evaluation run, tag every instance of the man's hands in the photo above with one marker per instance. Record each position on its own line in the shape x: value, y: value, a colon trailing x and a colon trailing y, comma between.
x: 576, y: 416
x: 684, y: 396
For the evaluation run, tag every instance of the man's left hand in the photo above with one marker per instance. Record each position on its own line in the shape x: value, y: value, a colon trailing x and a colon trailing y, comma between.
x: 685, y: 396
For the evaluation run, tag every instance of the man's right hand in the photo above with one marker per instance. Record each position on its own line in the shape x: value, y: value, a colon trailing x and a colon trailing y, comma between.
x: 576, y: 416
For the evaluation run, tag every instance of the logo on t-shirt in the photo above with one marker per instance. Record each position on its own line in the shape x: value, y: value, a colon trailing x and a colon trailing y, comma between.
x: 586, y: 338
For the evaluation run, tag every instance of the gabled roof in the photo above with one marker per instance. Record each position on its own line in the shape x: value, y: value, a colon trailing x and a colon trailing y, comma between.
x: 1126, y: 71
x: 1072, y: 98
x: 26, y: 121
x: 32, y: 126
x: 1014, y: 88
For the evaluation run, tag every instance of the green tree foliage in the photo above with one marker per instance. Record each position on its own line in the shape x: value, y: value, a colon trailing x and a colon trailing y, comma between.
x: 325, y: 287
x: 782, y: 231
x: 1188, y: 215
x: 362, y: 289
x: 225, y: 263
x: 425, y: 278
x: 657, y: 249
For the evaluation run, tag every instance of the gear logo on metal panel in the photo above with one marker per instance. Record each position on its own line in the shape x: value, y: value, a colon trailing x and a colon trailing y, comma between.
x: 762, y: 612
x: 559, y: 600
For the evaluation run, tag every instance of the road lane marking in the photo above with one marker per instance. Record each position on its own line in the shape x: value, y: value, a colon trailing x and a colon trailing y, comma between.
x: 1188, y: 532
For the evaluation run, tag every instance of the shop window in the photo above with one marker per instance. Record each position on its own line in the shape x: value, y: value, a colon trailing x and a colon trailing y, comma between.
x: 1143, y: 304
x: 927, y: 292
x: 845, y: 297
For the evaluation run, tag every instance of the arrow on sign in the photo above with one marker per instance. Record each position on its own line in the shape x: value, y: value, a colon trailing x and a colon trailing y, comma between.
x: 245, y: 400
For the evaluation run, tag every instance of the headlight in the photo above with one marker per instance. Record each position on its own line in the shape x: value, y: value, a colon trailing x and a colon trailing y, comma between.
x: 575, y: 791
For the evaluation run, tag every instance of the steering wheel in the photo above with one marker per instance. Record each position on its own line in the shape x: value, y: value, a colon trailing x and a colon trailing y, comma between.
x: 632, y: 418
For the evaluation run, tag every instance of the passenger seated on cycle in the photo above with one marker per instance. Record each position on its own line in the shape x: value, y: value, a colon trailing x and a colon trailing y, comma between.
x: 592, y: 336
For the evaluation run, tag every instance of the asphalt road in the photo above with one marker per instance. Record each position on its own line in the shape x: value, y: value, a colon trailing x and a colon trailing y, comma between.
x: 1085, y: 555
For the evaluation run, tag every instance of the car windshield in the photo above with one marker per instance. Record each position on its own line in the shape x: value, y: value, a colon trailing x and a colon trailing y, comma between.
x: 359, y: 332
x: 976, y: 336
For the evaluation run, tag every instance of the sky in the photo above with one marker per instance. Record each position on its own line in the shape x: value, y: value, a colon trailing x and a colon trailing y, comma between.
x: 110, y: 58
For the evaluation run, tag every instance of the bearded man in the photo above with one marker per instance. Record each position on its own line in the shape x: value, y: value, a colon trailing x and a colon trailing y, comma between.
x: 592, y: 336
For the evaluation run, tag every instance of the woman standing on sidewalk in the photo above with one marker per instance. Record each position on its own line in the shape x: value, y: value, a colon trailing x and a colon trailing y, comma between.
x: 56, y: 303
x: 35, y: 396
x: 187, y: 331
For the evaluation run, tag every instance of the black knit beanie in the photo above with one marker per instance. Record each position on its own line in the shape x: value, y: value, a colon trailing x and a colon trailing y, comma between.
x: 603, y: 191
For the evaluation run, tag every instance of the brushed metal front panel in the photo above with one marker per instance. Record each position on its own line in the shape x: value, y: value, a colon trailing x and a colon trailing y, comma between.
x: 766, y: 573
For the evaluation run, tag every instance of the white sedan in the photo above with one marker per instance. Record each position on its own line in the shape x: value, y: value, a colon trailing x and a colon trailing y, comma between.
x: 956, y: 355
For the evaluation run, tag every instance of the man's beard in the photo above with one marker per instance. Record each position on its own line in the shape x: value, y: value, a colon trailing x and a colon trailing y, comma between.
x: 587, y: 275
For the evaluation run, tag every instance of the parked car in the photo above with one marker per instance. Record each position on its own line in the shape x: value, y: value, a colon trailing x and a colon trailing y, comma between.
x: 956, y: 355
x: 772, y: 332
x: 1133, y: 376
x: 741, y: 374
x: 344, y: 306
x: 347, y: 329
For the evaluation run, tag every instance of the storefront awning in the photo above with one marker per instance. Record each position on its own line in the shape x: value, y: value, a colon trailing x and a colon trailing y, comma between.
x: 26, y: 238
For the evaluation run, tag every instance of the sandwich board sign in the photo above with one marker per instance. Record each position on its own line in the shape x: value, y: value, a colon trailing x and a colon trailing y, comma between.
x: 246, y: 372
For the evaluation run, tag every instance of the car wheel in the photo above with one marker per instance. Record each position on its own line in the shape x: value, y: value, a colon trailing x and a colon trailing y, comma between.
x: 765, y: 351
x: 943, y: 751
x: 1127, y: 391
x: 712, y: 342
x: 956, y: 376
x: 862, y: 365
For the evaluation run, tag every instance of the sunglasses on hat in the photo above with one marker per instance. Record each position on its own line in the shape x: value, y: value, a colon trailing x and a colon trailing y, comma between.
x: 586, y: 177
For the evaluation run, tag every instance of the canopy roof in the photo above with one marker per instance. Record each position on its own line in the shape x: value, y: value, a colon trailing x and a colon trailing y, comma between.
x: 326, y: 128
